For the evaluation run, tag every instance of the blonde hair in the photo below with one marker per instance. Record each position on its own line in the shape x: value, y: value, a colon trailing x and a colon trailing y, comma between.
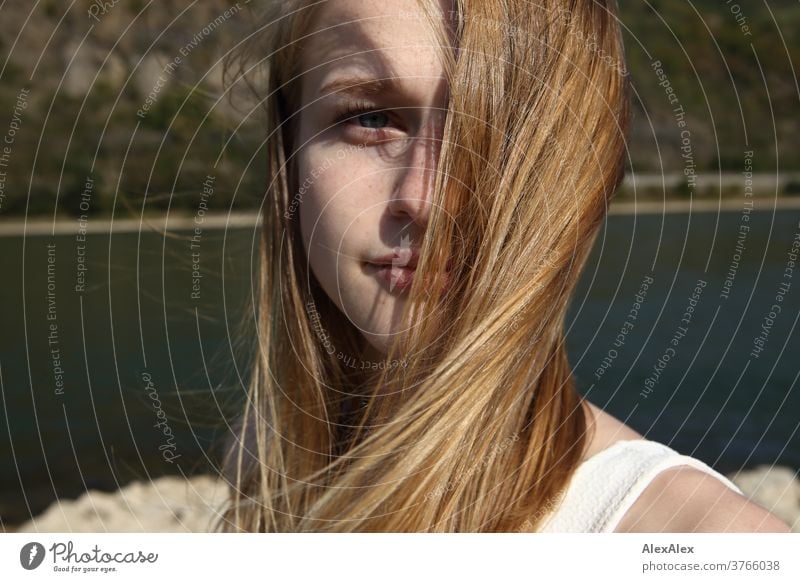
x: 481, y: 427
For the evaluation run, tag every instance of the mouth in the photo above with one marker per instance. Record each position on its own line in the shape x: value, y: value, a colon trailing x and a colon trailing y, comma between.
x: 396, y: 277
x: 401, y: 257
x: 396, y: 270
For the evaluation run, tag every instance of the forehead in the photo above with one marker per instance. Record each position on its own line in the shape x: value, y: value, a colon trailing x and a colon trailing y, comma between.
x: 384, y: 39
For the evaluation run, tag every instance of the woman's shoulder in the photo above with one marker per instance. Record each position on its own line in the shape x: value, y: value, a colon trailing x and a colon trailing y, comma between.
x: 686, y: 497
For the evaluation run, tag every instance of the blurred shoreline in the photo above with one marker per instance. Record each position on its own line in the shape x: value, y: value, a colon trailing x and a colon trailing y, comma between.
x: 177, y: 221
x: 174, y: 504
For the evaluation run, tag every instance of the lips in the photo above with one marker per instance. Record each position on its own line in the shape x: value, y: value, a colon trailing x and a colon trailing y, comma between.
x: 396, y: 278
x: 396, y: 270
x: 399, y: 258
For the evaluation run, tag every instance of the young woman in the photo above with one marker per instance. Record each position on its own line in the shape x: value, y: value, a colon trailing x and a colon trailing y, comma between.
x: 438, y: 172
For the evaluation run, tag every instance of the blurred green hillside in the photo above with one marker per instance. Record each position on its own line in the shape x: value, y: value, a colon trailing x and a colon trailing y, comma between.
x: 90, y: 74
x: 85, y: 113
x: 733, y: 66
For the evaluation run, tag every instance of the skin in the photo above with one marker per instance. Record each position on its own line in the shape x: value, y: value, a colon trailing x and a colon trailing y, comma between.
x: 375, y: 170
x: 680, y: 499
x: 371, y: 196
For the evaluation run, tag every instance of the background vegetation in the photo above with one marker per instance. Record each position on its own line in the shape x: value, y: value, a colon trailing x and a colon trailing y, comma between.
x: 89, y: 76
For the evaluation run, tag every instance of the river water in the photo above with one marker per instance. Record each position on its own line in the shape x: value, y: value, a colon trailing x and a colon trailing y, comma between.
x: 119, y: 362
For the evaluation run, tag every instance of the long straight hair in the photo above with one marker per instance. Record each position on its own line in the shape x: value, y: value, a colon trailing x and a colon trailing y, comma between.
x: 481, y: 427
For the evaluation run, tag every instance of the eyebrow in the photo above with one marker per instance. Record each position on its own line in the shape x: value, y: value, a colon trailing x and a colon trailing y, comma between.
x: 359, y: 86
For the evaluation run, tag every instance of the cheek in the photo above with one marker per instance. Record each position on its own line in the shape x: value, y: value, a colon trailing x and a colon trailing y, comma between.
x: 338, y: 220
x: 323, y: 216
x: 340, y: 196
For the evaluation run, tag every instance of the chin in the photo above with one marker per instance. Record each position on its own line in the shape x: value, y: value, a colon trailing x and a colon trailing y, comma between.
x: 380, y: 342
x: 386, y: 329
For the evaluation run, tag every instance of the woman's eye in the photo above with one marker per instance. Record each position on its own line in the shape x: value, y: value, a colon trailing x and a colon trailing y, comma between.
x: 373, y: 120
x: 368, y: 123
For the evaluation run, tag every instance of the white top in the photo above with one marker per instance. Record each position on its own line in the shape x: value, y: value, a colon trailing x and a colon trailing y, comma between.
x: 606, y: 485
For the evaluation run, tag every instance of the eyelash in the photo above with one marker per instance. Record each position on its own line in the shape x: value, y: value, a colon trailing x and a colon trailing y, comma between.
x: 354, y: 109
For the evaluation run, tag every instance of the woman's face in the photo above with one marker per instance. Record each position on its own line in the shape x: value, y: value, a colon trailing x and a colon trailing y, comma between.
x: 373, y: 100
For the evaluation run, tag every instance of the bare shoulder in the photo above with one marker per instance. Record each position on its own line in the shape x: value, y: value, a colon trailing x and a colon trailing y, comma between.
x: 682, y: 498
x: 686, y: 499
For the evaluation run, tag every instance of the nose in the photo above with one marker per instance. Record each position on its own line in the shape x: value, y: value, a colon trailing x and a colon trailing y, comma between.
x: 411, y: 195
